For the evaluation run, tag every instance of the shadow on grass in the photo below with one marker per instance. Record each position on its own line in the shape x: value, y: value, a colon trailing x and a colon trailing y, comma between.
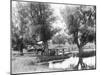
x: 87, y: 54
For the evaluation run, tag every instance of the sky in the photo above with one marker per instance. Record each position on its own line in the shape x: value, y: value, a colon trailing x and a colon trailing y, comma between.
x: 57, y: 12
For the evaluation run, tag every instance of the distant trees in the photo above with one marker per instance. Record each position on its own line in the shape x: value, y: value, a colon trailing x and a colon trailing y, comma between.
x: 81, y: 26
x: 59, y: 39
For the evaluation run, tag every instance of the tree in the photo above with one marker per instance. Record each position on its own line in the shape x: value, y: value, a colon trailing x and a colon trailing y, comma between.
x: 59, y: 39
x: 33, y: 19
x: 20, y: 24
x: 81, y: 25
x: 42, y: 16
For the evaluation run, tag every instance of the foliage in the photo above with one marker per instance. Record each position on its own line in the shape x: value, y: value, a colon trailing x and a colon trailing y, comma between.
x: 42, y: 15
x: 81, y: 25
x: 32, y: 21
x: 59, y: 39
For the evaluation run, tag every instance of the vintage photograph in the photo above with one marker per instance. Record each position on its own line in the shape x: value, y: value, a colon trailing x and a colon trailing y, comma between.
x: 52, y: 37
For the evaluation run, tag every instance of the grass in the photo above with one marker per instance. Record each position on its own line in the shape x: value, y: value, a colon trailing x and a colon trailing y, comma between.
x: 87, y: 54
x: 30, y: 62
x: 58, y: 57
x: 68, y: 55
x: 26, y: 64
x: 51, y: 58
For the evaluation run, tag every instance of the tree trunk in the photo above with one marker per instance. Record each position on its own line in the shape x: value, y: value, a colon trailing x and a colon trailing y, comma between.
x: 80, y: 62
x: 21, y: 52
x: 21, y: 46
x: 21, y: 49
x: 46, y: 48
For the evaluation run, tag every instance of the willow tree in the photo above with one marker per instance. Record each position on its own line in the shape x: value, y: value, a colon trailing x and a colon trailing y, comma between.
x: 42, y: 16
x: 81, y: 24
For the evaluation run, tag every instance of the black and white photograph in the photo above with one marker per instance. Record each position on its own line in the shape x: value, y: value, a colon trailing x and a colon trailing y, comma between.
x: 52, y: 37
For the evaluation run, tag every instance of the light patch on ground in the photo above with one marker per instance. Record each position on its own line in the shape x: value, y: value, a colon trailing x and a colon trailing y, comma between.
x: 90, y: 61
